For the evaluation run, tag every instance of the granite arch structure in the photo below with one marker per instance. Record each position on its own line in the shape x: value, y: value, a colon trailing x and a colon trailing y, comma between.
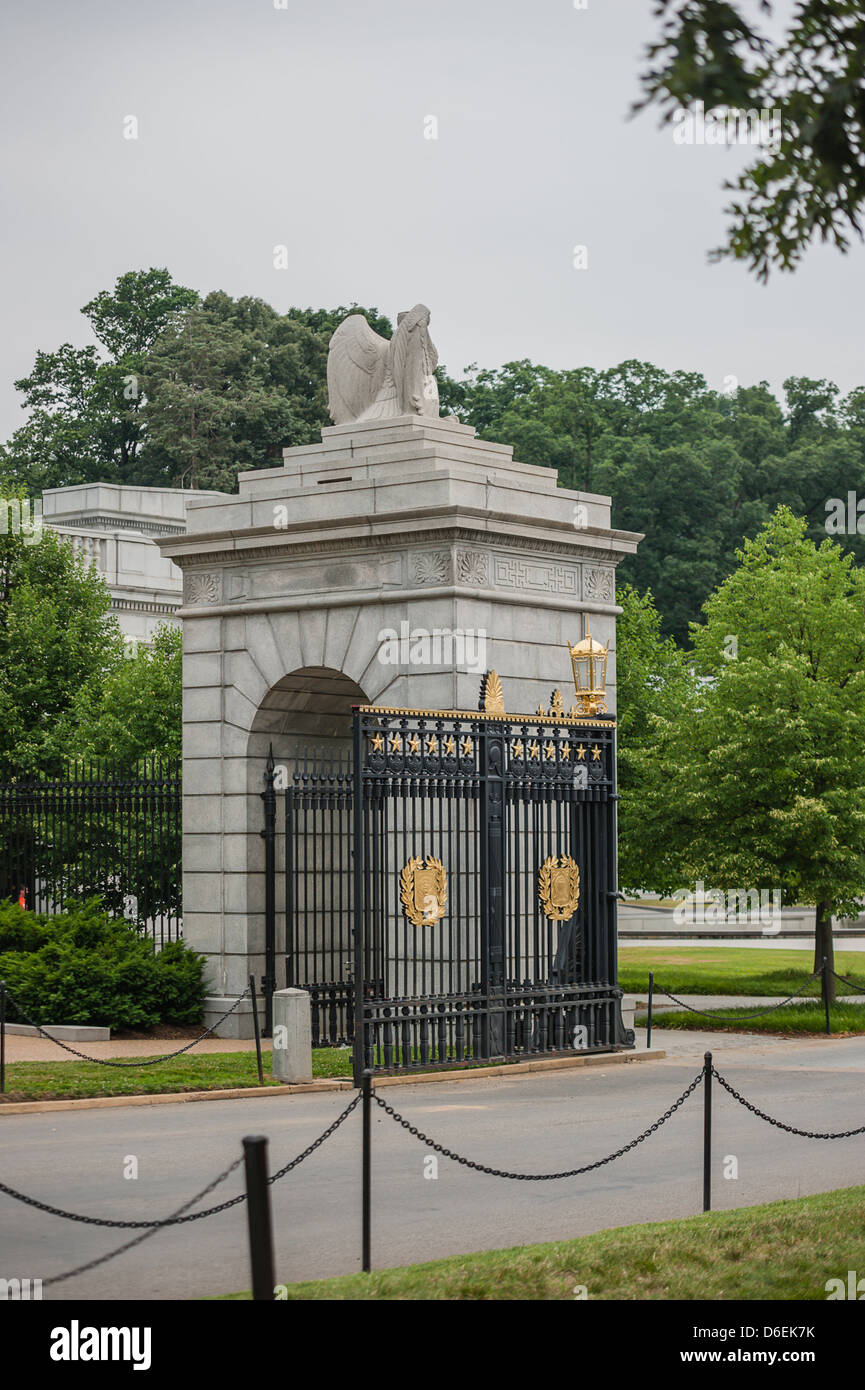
x: 405, y: 524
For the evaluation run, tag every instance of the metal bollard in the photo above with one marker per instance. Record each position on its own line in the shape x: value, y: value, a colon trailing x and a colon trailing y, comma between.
x: 258, y: 1215
x: 649, y: 1021
x: 707, y: 1132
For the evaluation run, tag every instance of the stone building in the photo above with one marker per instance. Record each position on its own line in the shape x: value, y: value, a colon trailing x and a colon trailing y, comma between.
x: 113, y: 526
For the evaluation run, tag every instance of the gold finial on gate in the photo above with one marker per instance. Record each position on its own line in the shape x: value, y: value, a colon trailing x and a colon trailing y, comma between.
x: 492, y: 699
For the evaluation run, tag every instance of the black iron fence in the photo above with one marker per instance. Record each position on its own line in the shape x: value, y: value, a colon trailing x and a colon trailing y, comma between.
x: 75, y: 830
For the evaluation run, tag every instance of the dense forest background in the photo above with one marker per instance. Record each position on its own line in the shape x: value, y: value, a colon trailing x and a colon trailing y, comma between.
x: 184, y: 391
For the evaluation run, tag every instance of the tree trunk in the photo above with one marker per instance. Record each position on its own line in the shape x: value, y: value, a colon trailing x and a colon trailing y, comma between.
x: 825, y: 946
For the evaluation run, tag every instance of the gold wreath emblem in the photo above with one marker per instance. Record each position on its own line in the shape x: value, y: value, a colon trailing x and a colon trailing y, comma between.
x: 424, y: 890
x: 559, y: 887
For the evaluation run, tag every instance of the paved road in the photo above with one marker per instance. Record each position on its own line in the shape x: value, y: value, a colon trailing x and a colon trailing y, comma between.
x: 534, y: 1122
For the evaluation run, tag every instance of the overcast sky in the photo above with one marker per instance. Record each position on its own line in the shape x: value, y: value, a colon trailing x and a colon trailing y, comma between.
x: 304, y: 126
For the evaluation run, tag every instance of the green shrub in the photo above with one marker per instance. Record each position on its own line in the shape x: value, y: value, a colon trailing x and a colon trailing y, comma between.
x: 82, y: 966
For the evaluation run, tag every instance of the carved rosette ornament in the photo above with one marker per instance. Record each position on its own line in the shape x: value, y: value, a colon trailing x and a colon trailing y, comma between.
x: 471, y: 567
x: 423, y: 890
x: 432, y: 567
x: 201, y: 588
x: 559, y: 887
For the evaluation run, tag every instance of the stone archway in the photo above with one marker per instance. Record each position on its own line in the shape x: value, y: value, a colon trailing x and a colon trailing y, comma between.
x: 309, y: 706
x: 290, y: 586
x: 306, y: 711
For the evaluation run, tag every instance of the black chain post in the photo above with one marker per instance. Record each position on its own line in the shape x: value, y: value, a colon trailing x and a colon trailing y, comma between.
x: 366, y: 1091
x: 258, y: 1212
x: 707, y: 1132
x: 358, y: 1060
x: 649, y: 1022
x: 255, y: 1024
x: 2, y: 1037
x: 825, y: 984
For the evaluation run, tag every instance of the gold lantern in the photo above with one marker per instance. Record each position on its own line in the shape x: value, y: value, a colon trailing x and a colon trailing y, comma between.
x: 589, y: 661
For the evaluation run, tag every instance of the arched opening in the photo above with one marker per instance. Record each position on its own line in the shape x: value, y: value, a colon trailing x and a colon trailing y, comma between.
x: 306, y: 719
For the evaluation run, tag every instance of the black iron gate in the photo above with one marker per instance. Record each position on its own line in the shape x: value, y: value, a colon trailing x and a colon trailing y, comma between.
x: 462, y: 868
x: 319, y: 923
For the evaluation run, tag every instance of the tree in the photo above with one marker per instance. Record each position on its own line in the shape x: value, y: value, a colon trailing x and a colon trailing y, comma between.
x: 810, y: 181
x: 208, y: 411
x: 84, y: 423
x: 132, y: 710
x: 232, y: 385
x: 181, y: 392
x: 56, y: 633
x: 654, y: 684
x: 760, y: 783
x: 143, y: 305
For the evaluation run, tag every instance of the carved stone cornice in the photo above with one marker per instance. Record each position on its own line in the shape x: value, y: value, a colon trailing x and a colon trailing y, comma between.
x: 606, y: 551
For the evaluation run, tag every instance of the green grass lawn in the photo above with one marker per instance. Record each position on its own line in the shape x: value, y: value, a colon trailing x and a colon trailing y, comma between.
x: 783, y: 1250
x: 729, y: 970
x: 211, y: 1071
x: 791, y: 1021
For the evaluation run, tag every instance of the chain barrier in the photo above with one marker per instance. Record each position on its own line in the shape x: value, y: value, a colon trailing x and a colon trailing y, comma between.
x: 195, y: 1216
x: 145, y: 1235
x: 183, y: 1215
x: 779, y: 1124
x: 536, y: 1177
x: 331, y: 1129
x: 732, y: 1018
x: 150, y: 1061
x: 854, y: 988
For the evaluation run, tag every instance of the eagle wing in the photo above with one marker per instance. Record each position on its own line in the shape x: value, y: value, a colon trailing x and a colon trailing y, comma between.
x: 356, y: 364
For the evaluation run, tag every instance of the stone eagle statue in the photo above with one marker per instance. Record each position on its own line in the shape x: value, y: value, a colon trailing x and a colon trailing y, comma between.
x: 369, y: 378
